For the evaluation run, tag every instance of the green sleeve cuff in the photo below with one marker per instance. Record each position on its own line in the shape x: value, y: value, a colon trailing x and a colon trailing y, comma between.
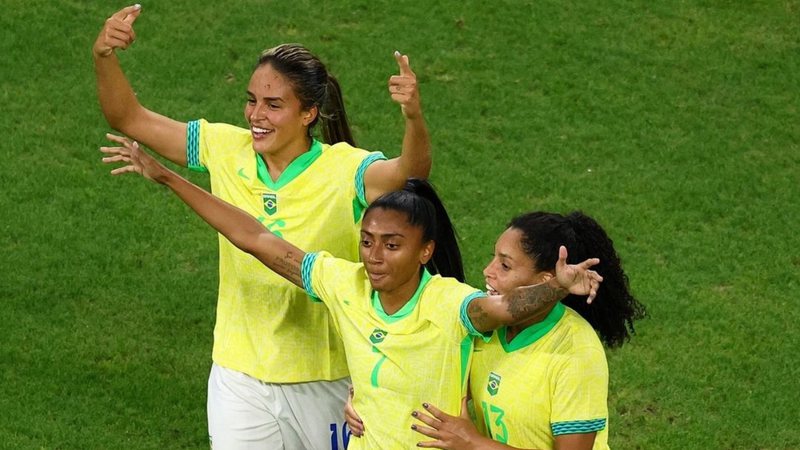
x: 361, y: 190
x: 578, y: 426
x: 193, y: 147
x: 306, y: 267
x: 464, y: 316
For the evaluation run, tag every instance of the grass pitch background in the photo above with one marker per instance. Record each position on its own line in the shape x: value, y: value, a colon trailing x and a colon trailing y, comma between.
x: 675, y: 124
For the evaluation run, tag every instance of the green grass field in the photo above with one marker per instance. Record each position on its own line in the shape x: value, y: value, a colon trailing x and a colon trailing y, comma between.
x: 675, y: 124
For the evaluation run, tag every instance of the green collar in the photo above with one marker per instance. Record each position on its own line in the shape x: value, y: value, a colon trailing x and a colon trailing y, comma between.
x: 408, y: 307
x: 293, y: 170
x: 534, y: 332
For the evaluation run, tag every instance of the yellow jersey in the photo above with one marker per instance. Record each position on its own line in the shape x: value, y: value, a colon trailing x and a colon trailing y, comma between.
x: 265, y: 326
x: 551, y: 379
x: 419, y: 354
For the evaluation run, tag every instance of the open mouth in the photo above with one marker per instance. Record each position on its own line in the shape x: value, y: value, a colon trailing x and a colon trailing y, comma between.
x: 259, y: 132
x: 490, y: 290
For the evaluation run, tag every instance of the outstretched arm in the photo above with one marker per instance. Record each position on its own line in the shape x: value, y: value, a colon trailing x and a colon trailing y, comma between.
x: 117, y: 99
x: 240, y: 228
x: 415, y: 160
x: 527, y: 302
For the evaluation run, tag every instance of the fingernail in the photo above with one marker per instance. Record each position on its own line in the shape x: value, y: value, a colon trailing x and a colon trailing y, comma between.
x: 396, y: 53
x: 413, y: 427
x: 425, y: 405
x: 137, y: 6
x: 414, y: 413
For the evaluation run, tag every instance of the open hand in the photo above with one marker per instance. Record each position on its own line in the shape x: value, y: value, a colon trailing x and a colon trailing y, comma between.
x: 117, y: 31
x: 137, y: 160
x: 403, y: 88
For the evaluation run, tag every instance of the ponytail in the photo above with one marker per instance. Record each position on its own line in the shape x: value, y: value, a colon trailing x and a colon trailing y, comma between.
x: 335, y: 127
x: 423, y: 208
x: 614, y: 309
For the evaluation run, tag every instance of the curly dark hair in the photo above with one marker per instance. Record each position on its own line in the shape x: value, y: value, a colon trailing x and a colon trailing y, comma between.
x: 614, y: 309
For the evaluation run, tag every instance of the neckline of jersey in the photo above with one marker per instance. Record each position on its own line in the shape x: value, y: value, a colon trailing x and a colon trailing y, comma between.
x: 534, y: 332
x: 408, y: 307
x: 292, y: 171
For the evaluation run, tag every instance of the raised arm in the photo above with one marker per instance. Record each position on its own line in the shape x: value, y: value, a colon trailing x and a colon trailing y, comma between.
x: 415, y: 159
x: 117, y: 99
x: 237, y: 226
x: 527, y: 302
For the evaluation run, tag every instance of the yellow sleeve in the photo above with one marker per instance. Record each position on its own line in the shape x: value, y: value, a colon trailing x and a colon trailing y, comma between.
x: 329, y: 279
x: 206, y: 143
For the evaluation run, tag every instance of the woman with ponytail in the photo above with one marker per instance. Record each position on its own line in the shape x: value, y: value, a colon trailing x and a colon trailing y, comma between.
x: 406, y: 317
x: 310, y: 191
x: 542, y: 383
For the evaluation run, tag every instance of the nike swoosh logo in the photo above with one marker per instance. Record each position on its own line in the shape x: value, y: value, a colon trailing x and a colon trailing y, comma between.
x: 241, y: 174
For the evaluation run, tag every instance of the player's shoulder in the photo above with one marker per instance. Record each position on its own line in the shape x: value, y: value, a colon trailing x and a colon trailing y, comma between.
x: 337, y: 269
x: 344, y: 153
x: 219, y: 131
x: 219, y: 127
x: 342, y: 148
x: 448, y: 289
x: 573, y: 335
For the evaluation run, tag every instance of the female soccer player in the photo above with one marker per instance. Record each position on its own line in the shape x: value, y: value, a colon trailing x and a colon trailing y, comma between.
x: 262, y: 393
x: 543, y: 383
x: 407, y: 332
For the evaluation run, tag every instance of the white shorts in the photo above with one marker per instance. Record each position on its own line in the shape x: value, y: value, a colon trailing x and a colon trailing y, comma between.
x: 245, y: 413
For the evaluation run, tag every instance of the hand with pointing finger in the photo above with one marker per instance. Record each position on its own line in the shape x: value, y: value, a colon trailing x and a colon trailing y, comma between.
x: 578, y: 279
x: 117, y: 31
x: 403, y: 88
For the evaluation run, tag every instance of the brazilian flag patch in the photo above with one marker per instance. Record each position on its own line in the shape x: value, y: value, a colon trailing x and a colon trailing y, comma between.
x: 494, y: 383
x: 270, y: 203
x: 378, y: 336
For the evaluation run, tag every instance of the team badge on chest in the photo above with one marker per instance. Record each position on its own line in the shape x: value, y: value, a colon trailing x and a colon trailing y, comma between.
x: 270, y: 203
x: 494, y: 383
x: 378, y: 336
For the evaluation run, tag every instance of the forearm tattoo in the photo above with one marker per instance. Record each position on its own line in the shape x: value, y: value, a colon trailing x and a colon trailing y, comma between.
x: 526, y: 302
x: 479, y: 317
x: 522, y: 303
x: 288, y: 266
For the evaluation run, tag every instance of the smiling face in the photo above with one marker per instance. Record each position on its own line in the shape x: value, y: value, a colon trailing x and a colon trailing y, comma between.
x: 278, y: 122
x: 392, y: 251
x: 510, y: 266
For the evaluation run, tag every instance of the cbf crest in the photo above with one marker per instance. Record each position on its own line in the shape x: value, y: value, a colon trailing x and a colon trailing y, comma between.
x: 270, y: 203
x: 494, y: 383
x: 378, y: 336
